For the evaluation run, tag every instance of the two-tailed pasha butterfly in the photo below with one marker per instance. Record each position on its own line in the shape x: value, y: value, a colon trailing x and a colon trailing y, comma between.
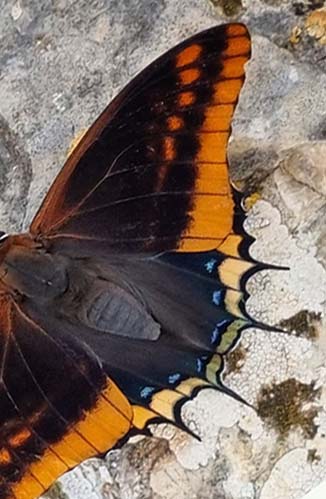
x: 120, y: 302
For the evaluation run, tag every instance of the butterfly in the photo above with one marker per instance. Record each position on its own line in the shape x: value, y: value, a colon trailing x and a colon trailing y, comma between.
x: 123, y: 298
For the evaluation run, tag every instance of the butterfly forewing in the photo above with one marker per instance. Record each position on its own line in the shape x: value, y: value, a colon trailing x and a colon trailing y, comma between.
x: 151, y: 174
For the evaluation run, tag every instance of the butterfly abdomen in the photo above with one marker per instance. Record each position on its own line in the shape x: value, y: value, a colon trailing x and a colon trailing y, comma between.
x: 106, y: 305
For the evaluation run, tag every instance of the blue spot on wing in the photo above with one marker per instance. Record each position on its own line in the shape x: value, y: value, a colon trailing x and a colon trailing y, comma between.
x: 215, y: 335
x: 218, y: 297
x: 210, y: 265
x: 199, y: 364
x: 173, y: 378
x: 147, y: 392
x: 219, y: 330
x: 202, y: 262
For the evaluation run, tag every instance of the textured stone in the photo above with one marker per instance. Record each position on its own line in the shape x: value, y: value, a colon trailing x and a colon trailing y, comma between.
x: 61, y: 61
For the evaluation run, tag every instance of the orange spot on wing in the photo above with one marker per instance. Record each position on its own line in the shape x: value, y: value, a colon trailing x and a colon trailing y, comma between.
x: 46, y: 470
x: 213, y: 147
x: 174, y: 123
x: 188, y: 76
x: 236, y: 30
x: 72, y: 449
x: 237, y: 46
x: 142, y: 416
x: 186, y: 99
x: 188, y: 55
x: 20, y: 437
x: 169, y: 154
x: 213, y: 179
x: 234, y: 67
x: 169, y: 150
x: 194, y: 244
x: 227, y: 92
x: 28, y: 488
x: 212, y: 219
x: 230, y: 246
x: 218, y: 118
x: 5, y: 457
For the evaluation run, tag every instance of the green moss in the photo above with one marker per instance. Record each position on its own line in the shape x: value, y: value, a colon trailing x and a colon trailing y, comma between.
x: 281, y: 407
x: 313, y: 457
x: 230, y: 7
x: 304, y: 324
x: 302, y: 8
x: 235, y: 360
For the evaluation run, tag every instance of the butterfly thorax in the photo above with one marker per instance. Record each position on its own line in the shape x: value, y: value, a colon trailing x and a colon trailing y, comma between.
x: 27, y: 269
x: 98, y: 299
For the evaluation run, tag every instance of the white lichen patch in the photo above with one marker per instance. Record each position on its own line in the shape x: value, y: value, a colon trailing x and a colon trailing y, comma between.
x: 87, y: 481
x: 292, y: 476
x: 283, y: 293
x: 282, y: 359
x: 218, y: 412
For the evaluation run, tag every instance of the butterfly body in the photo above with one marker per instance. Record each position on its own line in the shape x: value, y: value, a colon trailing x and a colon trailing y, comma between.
x: 123, y: 298
x: 31, y: 271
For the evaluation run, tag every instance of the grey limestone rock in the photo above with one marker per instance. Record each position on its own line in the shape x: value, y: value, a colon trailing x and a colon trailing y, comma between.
x: 61, y: 62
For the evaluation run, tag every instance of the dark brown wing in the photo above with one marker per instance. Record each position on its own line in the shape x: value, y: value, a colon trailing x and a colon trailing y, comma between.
x: 151, y: 174
x: 58, y: 407
x: 151, y: 177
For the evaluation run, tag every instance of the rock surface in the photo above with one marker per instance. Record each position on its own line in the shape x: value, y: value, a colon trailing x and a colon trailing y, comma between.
x: 61, y: 61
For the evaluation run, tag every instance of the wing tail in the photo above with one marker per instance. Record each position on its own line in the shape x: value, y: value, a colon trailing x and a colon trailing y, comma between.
x: 199, y: 300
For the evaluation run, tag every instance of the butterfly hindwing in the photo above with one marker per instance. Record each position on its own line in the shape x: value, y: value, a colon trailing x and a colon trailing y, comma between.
x: 200, y: 321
